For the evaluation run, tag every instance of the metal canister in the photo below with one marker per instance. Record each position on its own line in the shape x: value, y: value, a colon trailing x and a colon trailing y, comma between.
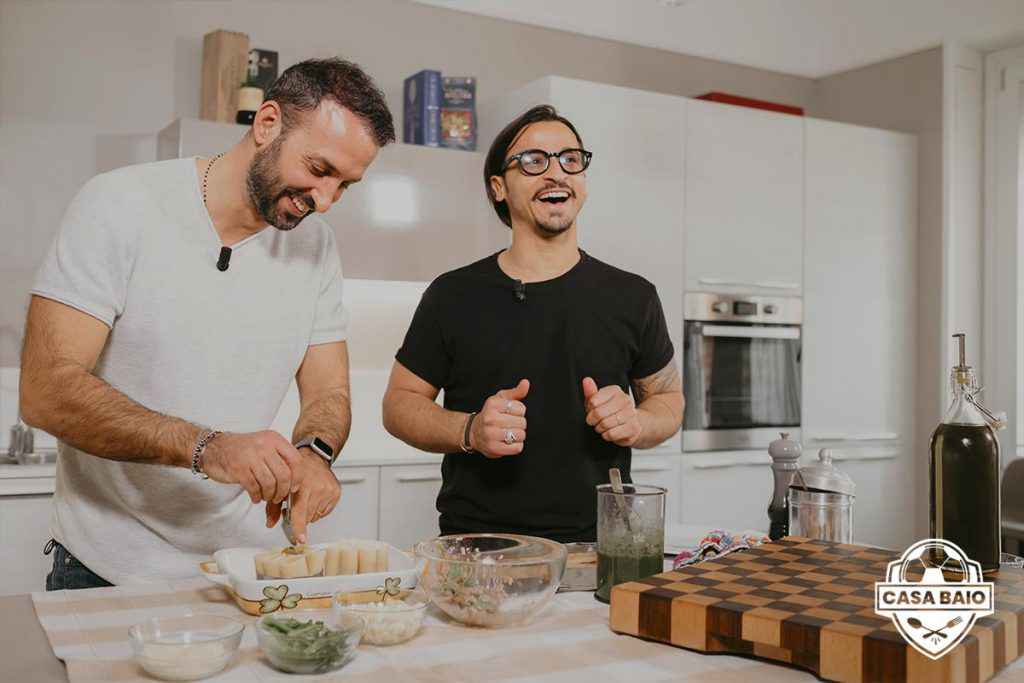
x: 821, y: 501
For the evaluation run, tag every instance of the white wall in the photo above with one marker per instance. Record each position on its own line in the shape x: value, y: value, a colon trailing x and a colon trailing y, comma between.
x: 86, y: 84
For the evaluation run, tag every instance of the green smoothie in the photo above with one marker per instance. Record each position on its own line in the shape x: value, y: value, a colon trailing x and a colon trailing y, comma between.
x: 626, y: 565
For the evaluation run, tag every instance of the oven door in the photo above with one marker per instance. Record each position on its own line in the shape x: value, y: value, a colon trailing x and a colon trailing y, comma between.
x: 742, y: 385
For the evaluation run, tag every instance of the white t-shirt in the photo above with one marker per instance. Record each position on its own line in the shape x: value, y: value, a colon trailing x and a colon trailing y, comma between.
x: 137, y: 250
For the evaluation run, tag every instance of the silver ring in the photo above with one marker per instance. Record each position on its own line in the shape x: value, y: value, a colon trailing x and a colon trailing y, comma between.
x: 508, y: 406
x: 510, y: 437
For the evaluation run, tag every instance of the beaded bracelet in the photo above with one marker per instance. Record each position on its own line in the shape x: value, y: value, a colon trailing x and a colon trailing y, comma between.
x: 197, y: 453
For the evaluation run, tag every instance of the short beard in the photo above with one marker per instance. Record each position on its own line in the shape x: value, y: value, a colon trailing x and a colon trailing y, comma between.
x: 553, y: 229
x: 263, y: 182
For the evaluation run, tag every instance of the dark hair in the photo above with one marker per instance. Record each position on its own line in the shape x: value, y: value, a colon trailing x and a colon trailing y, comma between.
x: 303, y: 86
x: 495, y: 160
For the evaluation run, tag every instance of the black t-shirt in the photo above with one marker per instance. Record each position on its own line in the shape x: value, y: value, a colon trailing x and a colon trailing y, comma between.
x: 471, y: 336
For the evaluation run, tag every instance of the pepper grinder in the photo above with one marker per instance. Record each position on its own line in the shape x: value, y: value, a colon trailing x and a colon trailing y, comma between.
x: 785, y: 454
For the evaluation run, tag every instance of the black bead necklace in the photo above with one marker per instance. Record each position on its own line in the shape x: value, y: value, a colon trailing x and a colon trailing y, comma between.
x: 206, y: 175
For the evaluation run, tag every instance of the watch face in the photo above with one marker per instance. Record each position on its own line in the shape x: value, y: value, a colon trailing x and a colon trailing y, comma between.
x: 322, y: 446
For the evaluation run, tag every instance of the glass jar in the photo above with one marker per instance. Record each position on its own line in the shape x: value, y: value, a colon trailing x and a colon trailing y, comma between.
x: 630, y: 535
x: 821, y: 502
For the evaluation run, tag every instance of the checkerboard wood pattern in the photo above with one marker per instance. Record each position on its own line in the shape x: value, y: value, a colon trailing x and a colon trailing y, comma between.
x: 811, y: 604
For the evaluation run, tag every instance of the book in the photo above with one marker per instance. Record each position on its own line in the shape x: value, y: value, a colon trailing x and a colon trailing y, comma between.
x: 421, y: 114
x: 458, y: 112
x: 262, y: 68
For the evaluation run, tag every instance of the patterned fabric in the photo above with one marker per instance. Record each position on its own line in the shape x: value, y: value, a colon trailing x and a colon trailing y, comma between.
x: 716, y: 544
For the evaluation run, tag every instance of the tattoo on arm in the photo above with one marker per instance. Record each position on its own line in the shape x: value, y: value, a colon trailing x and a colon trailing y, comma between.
x: 664, y: 381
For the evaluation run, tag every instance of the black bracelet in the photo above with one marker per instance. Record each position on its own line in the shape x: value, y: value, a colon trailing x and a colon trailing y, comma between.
x: 465, y: 434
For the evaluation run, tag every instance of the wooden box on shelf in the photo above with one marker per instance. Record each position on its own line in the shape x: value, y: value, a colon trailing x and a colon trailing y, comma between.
x: 225, y: 60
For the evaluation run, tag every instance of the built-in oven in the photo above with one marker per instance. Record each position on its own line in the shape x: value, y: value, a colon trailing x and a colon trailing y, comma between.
x: 741, y: 370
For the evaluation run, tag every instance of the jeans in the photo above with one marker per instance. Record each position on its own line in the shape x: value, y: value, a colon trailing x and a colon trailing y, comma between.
x: 68, y: 573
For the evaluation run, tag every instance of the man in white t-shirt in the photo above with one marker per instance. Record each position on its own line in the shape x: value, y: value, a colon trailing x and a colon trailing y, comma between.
x: 177, y: 303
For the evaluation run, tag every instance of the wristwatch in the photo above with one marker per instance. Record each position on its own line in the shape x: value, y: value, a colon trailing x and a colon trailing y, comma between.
x: 320, y: 447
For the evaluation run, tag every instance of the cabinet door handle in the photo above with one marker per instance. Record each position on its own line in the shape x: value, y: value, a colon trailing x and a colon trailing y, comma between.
x: 869, y: 455
x: 418, y: 477
x: 765, y: 462
x: 763, y: 284
x: 351, y: 480
x: 886, y: 436
x: 650, y: 469
x: 781, y: 332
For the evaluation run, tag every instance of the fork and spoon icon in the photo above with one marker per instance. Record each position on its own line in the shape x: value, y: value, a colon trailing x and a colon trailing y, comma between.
x: 916, y: 623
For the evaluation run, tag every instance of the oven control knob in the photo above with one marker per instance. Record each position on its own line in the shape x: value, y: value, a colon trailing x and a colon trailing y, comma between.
x: 770, y: 309
x: 720, y: 307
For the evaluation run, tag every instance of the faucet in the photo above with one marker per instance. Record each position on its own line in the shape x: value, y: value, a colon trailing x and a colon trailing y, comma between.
x: 22, y: 440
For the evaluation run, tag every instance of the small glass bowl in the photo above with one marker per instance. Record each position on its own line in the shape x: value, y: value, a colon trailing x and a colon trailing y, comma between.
x: 185, y: 648
x: 347, y: 631
x: 388, y: 623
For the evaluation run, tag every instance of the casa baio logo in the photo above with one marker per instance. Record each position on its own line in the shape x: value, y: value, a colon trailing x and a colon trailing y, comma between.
x: 934, y: 593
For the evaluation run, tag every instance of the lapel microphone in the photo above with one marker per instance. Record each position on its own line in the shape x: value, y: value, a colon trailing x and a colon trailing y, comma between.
x: 520, y: 291
x: 225, y: 259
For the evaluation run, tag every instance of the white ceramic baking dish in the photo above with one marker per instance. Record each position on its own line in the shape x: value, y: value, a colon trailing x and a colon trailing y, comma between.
x: 235, y: 569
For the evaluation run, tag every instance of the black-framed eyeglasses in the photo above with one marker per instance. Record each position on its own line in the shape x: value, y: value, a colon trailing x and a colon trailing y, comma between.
x: 536, y: 161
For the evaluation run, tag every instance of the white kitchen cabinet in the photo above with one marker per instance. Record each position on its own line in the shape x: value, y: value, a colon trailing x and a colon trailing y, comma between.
x: 744, y: 200
x: 24, y: 530
x: 880, y: 499
x: 660, y: 469
x: 727, y: 490
x: 356, y: 515
x: 860, y: 305
x: 408, y: 504
x: 633, y: 216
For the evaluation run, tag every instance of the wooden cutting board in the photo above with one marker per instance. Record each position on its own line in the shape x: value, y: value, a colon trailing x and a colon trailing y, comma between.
x: 811, y: 604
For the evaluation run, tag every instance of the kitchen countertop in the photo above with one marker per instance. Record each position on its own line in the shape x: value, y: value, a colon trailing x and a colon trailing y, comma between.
x: 27, y: 654
x: 16, y: 480
x: 569, y: 641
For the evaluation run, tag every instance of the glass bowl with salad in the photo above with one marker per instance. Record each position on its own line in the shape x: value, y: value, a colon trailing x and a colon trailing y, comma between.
x: 309, y: 641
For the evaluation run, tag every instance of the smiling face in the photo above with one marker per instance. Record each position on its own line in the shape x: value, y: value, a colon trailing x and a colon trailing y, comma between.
x: 547, y: 203
x: 309, y: 166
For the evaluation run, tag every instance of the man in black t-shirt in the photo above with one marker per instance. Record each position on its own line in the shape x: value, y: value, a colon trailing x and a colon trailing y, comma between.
x: 536, y: 348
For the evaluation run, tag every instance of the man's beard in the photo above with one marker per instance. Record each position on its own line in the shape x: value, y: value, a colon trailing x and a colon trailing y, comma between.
x: 263, y: 181
x: 555, y: 228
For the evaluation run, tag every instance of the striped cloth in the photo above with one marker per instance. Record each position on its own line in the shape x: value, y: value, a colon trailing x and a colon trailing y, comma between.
x: 568, y: 642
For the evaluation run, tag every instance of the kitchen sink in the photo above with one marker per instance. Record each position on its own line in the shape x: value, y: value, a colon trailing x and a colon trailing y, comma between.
x: 41, y: 457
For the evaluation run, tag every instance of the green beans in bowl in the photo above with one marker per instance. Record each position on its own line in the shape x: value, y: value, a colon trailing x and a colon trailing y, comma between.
x: 309, y: 641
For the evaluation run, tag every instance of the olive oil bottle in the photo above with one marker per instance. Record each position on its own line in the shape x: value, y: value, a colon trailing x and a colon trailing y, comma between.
x: 964, y: 467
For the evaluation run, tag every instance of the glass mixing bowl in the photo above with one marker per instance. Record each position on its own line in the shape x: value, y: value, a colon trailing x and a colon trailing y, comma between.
x: 185, y: 648
x: 309, y: 641
x: 491, y: 579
